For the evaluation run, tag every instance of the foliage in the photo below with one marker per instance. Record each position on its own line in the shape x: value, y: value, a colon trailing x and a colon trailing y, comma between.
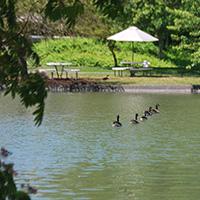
x: 95, y: 53
x: 185, y: 32
x: 153, y: 17
x: 85, y: 17
x: 8, y: 189
x: 158, y: 17
x: 56, y: 10
x: 15, y: 49
x: 111, y: 8
x: 171, y: 22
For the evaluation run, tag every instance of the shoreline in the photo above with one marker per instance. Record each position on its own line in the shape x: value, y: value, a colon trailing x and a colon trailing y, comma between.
x: 176, y: 89
x: 79, y: 86
x: 87, y: 85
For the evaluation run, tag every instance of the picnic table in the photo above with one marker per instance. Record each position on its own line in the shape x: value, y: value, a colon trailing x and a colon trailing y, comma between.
x: 144, y: 63
x: 133, y: 68
x: 76, y: 71
x: 60, y: 69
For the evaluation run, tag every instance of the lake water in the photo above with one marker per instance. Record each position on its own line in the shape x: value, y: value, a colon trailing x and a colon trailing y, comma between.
x: 76, y: 154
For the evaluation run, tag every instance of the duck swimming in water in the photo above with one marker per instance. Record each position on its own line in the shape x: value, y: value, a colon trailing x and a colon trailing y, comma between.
x: 156, y: 110
x: 116, y: 123
x: 148, y: 112
x: 135, y: 121
x: 144, y: 116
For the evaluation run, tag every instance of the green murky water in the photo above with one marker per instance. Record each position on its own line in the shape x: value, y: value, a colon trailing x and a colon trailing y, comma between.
x: 76, y: 154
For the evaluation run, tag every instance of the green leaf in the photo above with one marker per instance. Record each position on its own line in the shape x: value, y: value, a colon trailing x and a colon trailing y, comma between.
x: 20, y: 195
x: 56, y: 10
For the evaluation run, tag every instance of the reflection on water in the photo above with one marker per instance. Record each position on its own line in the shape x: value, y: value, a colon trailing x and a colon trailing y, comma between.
x: 76, y: 154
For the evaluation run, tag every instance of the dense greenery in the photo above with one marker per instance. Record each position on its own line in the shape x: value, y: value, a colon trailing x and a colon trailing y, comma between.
x: 95, y: 53
x: 176, y: 23
x: 185, y: 33
x: 170, y: 21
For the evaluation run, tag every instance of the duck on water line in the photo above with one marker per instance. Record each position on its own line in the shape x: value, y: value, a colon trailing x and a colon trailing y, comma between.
x: 117, y: 123
x: 144, y: 116
x: 156, y: 110
x: 135, y: 121
x: 149, y: 111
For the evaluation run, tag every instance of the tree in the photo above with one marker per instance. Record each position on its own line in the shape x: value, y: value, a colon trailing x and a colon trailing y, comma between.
x: 153, y: 16
x: 185, y: 32
x: 171, y: 22
x: 112, y: 47
x: 15, y: 49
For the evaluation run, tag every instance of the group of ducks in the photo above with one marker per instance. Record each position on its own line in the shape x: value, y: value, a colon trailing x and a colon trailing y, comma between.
x: 144, y: 117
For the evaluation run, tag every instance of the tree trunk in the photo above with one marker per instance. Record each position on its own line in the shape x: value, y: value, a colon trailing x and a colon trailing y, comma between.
x: 114, y: 58
x: 161, y: 48
x: 111, y: 46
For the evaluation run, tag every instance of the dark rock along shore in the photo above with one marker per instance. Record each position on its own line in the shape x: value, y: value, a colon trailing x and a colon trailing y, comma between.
x: 87, y: 85
x: 81, y: 85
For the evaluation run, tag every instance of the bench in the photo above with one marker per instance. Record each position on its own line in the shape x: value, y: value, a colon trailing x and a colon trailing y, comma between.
x: 76, y: 71
x: 146, y: 70
x: 120, y: 70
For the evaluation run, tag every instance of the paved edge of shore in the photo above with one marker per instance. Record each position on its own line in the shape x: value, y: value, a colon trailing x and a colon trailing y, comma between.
x: 183, y: 89
x: 130, y: 88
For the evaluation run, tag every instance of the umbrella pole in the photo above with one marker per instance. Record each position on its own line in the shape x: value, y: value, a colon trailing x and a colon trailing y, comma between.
x: 132, y: 51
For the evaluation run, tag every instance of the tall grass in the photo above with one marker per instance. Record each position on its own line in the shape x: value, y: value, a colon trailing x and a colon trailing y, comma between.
x: 93, y: 55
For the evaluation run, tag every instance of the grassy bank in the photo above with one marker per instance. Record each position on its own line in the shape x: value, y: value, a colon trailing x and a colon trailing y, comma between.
x: 95, y: 61
x: 142, y: 80
x: 92, y: 55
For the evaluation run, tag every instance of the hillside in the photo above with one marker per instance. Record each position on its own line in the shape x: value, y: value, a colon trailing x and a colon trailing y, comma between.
x: 93, y: 55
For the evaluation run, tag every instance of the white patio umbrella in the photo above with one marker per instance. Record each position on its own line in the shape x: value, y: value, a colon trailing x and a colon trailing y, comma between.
x: 132, y: 34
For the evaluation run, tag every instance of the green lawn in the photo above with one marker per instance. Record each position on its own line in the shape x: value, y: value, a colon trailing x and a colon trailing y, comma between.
x: 95, y: 61
x: 143, y: 80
